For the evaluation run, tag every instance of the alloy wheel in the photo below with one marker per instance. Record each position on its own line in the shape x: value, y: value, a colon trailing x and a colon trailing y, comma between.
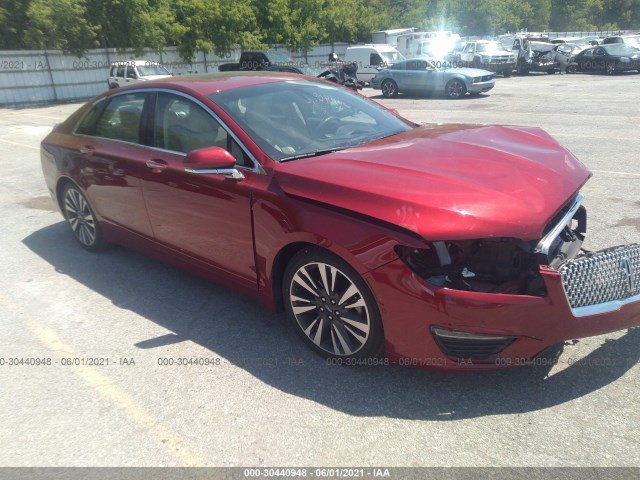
x: 455, y: 89
x: 389, y: 88
x: 80, y: 217
x: 330, y: 309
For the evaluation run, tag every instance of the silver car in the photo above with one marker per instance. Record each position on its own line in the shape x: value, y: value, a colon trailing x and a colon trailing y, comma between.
x: 423, y: 77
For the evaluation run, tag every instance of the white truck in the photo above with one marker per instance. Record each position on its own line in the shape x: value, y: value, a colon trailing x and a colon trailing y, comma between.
x: 428, y: 45
x: 134, y: 71
x: 371, y: 57
x: 390, y: 37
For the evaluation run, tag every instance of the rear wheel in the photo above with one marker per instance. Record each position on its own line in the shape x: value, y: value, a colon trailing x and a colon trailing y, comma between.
x: 455, y: 89
x: 81, y: 219
x: 389, y: 88
x: 331, y: 306
x: 506, y: 73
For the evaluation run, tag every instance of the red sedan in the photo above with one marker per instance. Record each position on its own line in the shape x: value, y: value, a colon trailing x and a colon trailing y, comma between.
x: 452, y: 246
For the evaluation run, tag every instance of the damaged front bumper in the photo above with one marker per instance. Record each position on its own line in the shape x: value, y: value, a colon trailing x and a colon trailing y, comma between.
x: 498, y: 308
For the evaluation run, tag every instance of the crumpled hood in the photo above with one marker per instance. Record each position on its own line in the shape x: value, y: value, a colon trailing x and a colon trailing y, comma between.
x: 446, y: 182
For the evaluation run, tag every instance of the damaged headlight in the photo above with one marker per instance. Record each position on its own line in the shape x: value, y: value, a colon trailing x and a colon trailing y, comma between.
x: 497, y: 265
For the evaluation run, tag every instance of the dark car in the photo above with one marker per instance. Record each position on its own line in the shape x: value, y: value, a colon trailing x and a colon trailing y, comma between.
x: 631, y: 40
x: 610, y: 59
x: 450, y: 246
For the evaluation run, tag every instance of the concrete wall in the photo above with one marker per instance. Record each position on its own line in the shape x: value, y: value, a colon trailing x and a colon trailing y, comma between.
x: 41, y: 77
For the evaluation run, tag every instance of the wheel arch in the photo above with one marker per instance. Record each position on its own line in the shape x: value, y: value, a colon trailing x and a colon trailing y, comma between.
x: 61, y: 184
x: 280, y: 262
x: 288, y: 251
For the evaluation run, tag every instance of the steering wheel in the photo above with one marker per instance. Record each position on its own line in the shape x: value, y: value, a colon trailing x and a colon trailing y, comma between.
x: 322, y: 126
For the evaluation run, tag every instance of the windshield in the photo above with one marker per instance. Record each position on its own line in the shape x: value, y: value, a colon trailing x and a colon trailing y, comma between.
x: 149, y: 69
x: 634, y: 41
x: 490, y: 47
x: 620, y: 49
x: 279, y: 58
x: 392, y: 57
x: 303, y: 118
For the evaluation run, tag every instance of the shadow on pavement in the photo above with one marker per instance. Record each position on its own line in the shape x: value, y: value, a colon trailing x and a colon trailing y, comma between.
x: 232, y: 327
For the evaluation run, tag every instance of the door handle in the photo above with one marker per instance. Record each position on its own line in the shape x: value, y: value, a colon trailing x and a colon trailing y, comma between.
x: 157, y: 166
x: 87, y: 150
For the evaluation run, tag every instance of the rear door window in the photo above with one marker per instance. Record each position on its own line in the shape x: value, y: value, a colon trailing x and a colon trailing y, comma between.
x: 122, y: 118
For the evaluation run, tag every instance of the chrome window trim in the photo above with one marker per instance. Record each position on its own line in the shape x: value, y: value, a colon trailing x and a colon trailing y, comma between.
x: 607, y: 307
x: 257, y: 168
x: 75, y: 128
x: 545, y: 243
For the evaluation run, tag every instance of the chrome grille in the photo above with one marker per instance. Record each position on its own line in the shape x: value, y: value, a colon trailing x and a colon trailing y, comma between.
x: 599, y: 278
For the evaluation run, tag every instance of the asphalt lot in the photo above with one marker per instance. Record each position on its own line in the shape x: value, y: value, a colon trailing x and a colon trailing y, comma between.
x: 265, y: 399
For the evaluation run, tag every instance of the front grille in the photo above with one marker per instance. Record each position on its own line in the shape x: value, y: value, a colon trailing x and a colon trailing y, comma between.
x: 468, y: 345
x: 598, y: 278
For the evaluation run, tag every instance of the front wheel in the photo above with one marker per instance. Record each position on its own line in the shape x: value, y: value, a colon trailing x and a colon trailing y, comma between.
x: 455, y: 89
x: 81, y: 219
x: 610, y: 68
x: 331, y: 306
x: 389, y: 88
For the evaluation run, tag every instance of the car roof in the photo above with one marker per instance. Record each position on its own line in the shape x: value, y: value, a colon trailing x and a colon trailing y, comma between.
x: 381, y: 47
x: 208, y: 83
x: 136, y: 62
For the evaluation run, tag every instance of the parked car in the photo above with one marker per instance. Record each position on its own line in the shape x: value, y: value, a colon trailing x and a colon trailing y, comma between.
x: 423, y: 77
x: 452, y: 246
x: 488, y: 55
x: 134, y: 71
x: 581, y: 43
x: 532, y: 55
x: 610, y: 59
x: 262, y: 60
x: 594, y: 40
x: 631, y: 40
x: 564, y: 55
x: 371, y: 58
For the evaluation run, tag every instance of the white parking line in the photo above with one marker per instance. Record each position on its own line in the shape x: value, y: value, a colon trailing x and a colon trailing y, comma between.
x: 616, y: 173
x: 108, y: 389
x: 19, y: 144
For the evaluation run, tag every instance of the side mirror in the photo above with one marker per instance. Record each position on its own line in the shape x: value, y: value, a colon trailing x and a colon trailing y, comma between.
x: 212, y: 160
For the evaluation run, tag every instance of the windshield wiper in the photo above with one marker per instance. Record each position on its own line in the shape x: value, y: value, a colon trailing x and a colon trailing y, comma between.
x: 315, y: 153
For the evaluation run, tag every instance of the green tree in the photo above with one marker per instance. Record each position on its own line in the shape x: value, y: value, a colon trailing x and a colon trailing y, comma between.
x: 13, y: 23
x: 132, y: 24
x: 536, y: 16
x: 61, y: 25
x: 218, y: 25
x: 308, y: 25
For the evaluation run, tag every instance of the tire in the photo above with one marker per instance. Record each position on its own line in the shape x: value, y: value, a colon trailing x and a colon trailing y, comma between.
x: 81, y: 219
x: 455, y: 89
x: 521, y: 70
x: 610, y: 68
x: 507, y: 73
x: 477, y: 63
x: 113, y: 85
x: 389, y: 88
x: 331, y: 307
x: 551, y: 72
